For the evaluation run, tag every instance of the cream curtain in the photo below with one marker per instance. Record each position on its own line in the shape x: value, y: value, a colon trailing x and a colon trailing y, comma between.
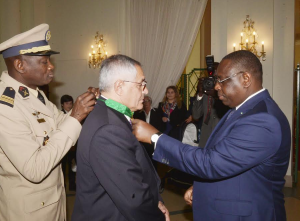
x: 161, y: 35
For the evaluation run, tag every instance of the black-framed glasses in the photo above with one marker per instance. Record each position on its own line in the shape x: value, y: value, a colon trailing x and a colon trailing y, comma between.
x: 225, y: 79
x: 142, y: 85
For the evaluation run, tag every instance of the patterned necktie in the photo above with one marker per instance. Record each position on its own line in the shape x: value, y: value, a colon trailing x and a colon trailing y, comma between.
x: 230, y: 114
x: 41, y: 98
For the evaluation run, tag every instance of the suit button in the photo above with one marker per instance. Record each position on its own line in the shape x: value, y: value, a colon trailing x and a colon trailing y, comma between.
x: 43, y: 203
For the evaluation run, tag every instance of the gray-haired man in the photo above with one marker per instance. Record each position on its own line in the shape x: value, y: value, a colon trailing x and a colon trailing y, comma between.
x: 115, y: 178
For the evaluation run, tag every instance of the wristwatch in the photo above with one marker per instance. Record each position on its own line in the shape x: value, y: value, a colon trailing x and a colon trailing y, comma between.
x: 155, y: 137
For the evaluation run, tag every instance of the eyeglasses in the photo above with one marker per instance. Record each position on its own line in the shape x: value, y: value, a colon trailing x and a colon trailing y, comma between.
x: 221, y: 81
x: 142, y: 85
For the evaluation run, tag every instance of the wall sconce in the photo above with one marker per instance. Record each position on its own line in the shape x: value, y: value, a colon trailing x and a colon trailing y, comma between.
x: 98, y: 53
x: 248, y: 39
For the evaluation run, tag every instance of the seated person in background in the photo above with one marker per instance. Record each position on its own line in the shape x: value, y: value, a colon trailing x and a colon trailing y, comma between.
x: 173, y: 112
x: 208, y: 106
x: 151, y: 116
x: 69, y: 159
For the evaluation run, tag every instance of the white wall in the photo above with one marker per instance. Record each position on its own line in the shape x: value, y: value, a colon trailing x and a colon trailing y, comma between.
x: 73, y: 25
x: 274, y: 21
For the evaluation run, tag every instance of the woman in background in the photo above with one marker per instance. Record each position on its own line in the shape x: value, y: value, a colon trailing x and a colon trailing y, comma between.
x: 173, y: 112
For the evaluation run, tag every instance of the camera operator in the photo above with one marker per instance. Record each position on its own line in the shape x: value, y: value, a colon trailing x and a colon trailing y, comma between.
x: 207, y: 105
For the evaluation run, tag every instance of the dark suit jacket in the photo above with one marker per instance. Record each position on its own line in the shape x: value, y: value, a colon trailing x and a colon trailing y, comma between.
x: 245, y: 160
x: 115, y: 178
x: 155, y: 120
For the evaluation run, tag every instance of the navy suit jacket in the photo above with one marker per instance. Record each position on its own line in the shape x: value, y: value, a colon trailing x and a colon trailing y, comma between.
x: 115, y: 178
x: 243, y: 164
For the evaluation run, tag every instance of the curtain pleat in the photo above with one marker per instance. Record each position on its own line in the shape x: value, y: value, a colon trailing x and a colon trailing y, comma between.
x: 162, y: 35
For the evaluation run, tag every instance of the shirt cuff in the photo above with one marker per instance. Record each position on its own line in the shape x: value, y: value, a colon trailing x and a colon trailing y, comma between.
x: 156, y: 142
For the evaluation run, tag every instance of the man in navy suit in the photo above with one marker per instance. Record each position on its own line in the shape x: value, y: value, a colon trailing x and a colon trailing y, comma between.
x: 115, y: 178
x: 246, y: 157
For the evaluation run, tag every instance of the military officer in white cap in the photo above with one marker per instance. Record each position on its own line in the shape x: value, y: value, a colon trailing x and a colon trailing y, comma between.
x: 34, y: 134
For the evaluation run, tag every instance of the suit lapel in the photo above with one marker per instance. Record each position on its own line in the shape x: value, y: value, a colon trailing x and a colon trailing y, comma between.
x: 248, y: 105
x: 216, y: 129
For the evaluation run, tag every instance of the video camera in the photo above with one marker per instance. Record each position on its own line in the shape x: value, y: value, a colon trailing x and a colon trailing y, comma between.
x: 209, y: 83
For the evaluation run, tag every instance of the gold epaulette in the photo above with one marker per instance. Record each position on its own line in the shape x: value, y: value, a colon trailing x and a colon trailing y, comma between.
x: 8, y: 97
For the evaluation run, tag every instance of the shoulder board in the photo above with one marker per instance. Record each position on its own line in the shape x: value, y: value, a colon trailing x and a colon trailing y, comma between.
x: 8, y: 97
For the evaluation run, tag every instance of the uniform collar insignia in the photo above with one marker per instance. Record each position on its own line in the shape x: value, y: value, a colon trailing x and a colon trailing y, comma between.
x: 24, y: 91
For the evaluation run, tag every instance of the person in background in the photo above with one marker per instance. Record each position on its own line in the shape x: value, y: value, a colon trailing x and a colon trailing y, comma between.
x: 198, y: 121
x: 66, y: 102
x: 115, y: 178
x: 34, y: 134
x: 69, y: 159
x: 173, y: 112
x: 151, y: 116
x: 208, y: 107
x: 246, y: 158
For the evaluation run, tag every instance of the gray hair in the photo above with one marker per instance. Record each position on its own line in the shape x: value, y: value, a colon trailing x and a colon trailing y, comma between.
x: 114, y: 68
x: 150, y: 99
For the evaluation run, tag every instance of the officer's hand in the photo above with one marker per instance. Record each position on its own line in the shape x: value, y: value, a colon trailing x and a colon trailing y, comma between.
x: 95, y: 91
x: 142, y: 130
x: 84, y: 104
x: 188, y: 196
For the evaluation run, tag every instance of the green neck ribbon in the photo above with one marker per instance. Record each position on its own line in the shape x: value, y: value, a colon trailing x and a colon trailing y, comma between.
x: 118, y: 107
